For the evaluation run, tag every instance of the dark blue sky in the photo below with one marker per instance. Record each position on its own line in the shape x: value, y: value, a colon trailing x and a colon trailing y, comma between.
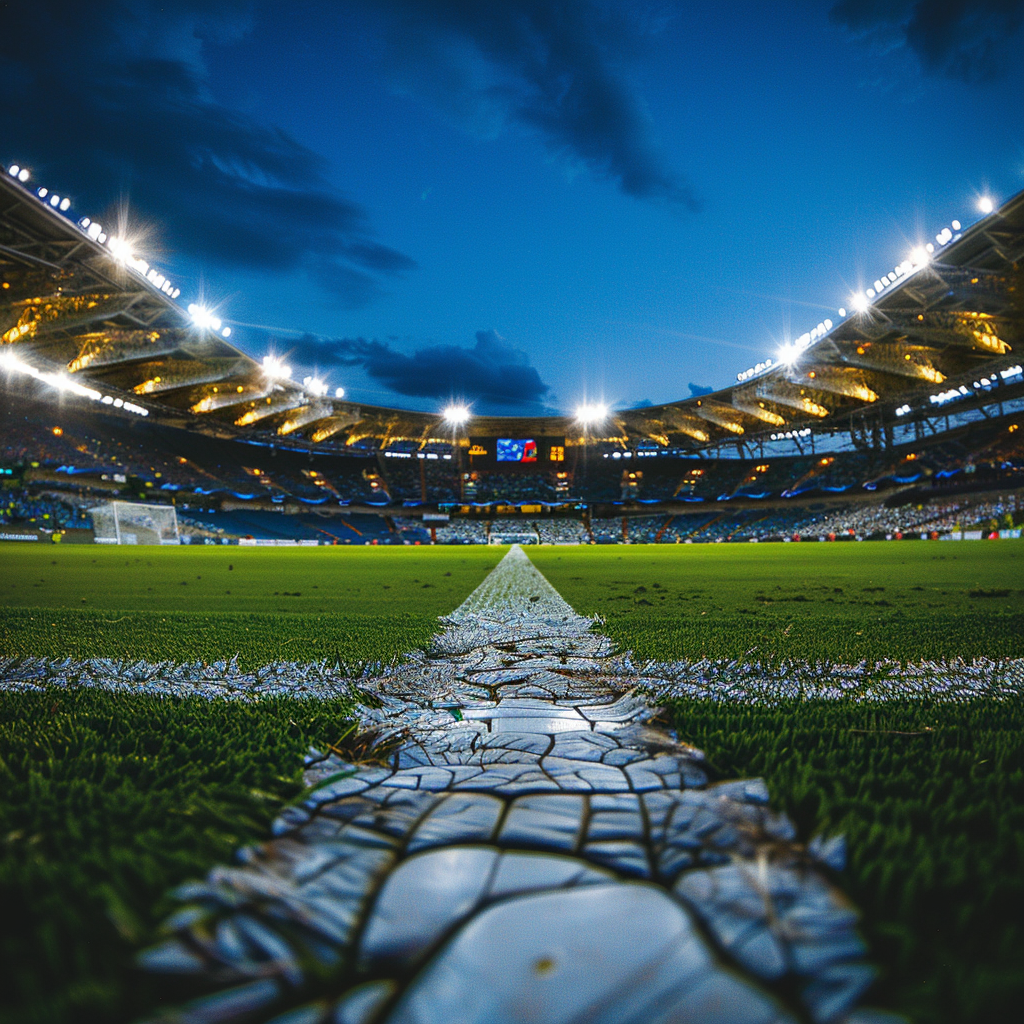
x: 524, y: 203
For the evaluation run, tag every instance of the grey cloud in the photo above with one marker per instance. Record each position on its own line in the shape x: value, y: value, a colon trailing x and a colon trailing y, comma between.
x: 119, y: 105
x: 962, y: 39
x: 555, y: 66
x: 492, y: 371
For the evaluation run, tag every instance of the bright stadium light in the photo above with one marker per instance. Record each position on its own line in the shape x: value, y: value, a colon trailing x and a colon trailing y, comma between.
x: 986, y: 205
x: 275, y: 368
x: 591, y: 412
x: 120, y: 250
x: 860, y: 302
x: 339, y: 392
x: 457, y: 414
x: 204, y: 318
x: 315, y: 386
x: 788, y: 352
x: 919, y: 256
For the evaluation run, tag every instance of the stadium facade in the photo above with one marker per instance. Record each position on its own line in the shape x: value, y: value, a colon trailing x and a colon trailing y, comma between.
x: 927, y: 355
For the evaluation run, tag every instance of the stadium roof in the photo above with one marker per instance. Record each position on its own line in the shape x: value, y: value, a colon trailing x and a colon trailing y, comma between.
x: 81, y: 312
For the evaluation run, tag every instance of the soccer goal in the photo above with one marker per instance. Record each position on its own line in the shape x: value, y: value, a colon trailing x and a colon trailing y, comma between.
x: 130, y: 522
x: 512, y: 537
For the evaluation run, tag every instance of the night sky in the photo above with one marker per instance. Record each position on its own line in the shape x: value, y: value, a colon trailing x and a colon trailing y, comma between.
x: 521, y: 203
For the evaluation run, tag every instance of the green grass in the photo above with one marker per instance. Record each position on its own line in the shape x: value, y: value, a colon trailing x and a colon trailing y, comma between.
x: 211, y: 603
x: 935, y: 826
x: 108, y: 801
x: 762, y: 602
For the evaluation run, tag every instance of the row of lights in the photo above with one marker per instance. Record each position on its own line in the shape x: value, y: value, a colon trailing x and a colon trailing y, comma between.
x: 639, y: 455
x: 11, y: 363
x: 123, y: 252
x: 788, y: 435
x: 753, y: 371
x: 432, y: 456
x: 274, y: 368
x: 985, y: 384
x: 860, y: 302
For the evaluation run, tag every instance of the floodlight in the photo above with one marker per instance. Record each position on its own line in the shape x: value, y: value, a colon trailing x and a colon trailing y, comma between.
x: 120, y: 250
x: 204, y: 318
x: 275, y: 368
x: 986, y: 205
x: 860, y: 302
x: 314, y: 385
x: 919, y: 256
x: 339, y: 392
x: 457, y: 415
x: 591, y: 412
x: 787, y: 352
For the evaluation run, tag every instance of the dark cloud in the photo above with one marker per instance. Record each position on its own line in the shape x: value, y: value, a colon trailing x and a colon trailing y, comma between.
x: 556, y: 66
x: 696, y: 390
x: 965, y: 39
x: 109, y: 98
x: 492, y: 371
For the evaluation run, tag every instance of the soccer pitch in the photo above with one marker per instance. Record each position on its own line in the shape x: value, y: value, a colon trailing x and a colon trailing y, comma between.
x: 111, y: 799
x: 838, y: 602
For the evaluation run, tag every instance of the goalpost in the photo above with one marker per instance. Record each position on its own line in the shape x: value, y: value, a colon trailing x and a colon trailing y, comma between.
x: 131, y: 522
x: 513, y: 537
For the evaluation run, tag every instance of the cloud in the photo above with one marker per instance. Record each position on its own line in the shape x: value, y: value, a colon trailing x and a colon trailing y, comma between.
x: 555, y: 66
x: 110, y: 97
x: 492, y: 371
x: 961, y: 39
x: 696, y: 390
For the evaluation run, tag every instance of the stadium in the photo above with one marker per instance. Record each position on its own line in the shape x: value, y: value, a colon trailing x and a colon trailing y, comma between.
x: 901, y: 418
x: 318, y: 711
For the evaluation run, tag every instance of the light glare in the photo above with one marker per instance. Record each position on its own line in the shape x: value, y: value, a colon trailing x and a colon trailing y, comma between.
x: 456, y: 415
x: 275, y: 368
x: 591, y: 412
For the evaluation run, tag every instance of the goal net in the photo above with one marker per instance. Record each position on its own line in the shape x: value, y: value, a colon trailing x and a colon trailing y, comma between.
x: 129, y: 522
x: 512, y: 537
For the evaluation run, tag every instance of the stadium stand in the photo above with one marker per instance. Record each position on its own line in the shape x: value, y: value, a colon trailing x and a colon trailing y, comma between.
x: 561, y: 531
x: 462, y: 531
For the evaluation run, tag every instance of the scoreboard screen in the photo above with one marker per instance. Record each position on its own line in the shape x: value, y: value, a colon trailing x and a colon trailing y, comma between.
x: 511, y: 449
x: 507, y: 452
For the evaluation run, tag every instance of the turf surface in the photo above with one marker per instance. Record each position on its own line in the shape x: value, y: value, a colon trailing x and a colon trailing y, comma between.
x: 931, y: 801
x: 211, y: 603
x: 109, y: 800
x: 838, y: 602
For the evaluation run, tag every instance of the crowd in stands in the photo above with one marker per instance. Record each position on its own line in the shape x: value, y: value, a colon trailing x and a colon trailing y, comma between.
x: 19, y: 508
x: 606, y: 531
x: 63, y: 459
x: 508, y: 527
x: 462, y: 531
x: 512, y: 487
x: 561, y: 531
